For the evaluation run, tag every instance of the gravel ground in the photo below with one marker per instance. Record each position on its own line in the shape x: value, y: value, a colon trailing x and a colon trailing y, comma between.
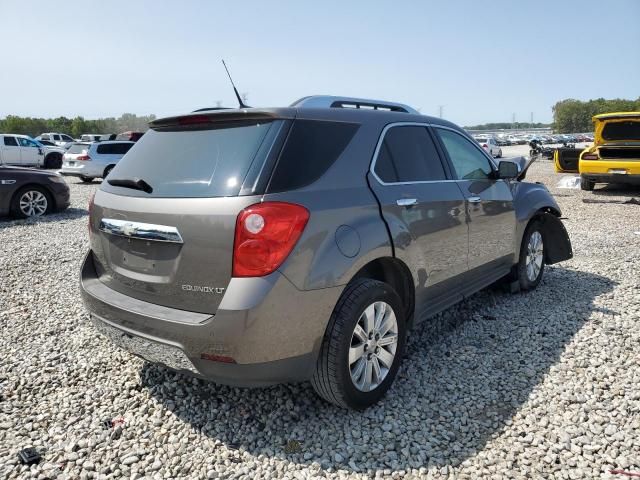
x: 536, y: 385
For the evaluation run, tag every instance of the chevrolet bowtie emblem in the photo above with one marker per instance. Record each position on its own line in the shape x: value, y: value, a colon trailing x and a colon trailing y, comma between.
x: 129, y: 229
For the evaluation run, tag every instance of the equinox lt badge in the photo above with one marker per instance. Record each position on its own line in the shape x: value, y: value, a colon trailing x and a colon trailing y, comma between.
x: 198, y: 288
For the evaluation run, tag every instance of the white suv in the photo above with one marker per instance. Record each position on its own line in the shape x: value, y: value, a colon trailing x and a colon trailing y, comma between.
x: 20, y: 150
x: 490, y: 145
x: 93, y: 160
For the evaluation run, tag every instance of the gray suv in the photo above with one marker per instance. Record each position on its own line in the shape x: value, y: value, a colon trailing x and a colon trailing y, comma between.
x: 258, y: 246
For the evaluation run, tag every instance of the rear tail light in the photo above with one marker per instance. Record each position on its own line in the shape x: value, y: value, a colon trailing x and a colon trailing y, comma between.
x: 484, y: 145
x: 265, y: 235
x: 590, y: 156
x: 83, y: 157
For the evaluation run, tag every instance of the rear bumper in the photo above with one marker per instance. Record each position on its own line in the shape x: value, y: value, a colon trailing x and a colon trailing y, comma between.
x: 604, y: 167
x: 612, y: 178
x: 274, y: 337
x: 86, y: 169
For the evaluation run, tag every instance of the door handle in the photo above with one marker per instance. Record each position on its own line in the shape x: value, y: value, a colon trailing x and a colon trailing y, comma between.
x: 474, y: 199
x: 406, y: 202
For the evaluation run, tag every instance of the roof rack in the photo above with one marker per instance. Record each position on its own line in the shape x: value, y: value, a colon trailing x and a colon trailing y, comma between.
x: 328, y: 101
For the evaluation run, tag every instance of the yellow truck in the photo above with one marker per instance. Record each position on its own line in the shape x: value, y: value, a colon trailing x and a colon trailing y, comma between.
x: 614, y: 156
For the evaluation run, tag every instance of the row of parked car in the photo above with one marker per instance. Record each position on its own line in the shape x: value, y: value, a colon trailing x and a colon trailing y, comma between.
x: 48, y: 150
x: 31, y: 192
x: 508, y: 140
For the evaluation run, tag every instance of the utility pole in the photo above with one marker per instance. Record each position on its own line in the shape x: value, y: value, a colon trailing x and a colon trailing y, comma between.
x: 441, y: 109
x: 532, y: 119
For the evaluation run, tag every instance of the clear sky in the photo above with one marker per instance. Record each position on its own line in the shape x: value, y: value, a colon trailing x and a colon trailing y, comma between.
x: 483, y: 61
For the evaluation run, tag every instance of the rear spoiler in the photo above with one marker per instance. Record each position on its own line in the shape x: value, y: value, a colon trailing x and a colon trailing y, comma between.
x: 204, y: 119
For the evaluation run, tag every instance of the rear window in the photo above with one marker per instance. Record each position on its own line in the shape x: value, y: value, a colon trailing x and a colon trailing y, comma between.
x: 114, y: 148
x: 627, y: 130
x: 311, y: 148
x: 194, y: 163
x: 78, y: 148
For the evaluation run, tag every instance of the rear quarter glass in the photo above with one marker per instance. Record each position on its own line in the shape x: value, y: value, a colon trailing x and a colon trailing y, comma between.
x: 311, y: 148
x: 188, y: 163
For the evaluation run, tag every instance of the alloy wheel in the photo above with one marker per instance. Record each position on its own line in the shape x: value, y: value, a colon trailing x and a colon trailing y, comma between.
x: 33, y: 203
x: 373, y: 346
x: 535, y: 256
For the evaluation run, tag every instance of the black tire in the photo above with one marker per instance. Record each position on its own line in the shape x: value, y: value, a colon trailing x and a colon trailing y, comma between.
x: 15, y: 200
x: 586, y: 185
x: 499, y: 154
x: 107, y: 171
x: 53, y: 160
x: 86, y: 179
x: 523, y: 277
x: 332, y: 377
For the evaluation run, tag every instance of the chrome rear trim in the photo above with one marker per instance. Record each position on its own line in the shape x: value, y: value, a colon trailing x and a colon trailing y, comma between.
x: 141, y: 231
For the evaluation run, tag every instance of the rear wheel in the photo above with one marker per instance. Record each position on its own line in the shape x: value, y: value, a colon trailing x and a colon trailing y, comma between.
x: 531, y: 263
x: 53, y: 160
x: 31, y: 201
x: 86, y: 179
x: 362, y: 347
x: 586, y: 185
x: 500, y: 153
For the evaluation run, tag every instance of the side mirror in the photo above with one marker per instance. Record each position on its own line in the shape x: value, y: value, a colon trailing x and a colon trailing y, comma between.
x: 508, y: 169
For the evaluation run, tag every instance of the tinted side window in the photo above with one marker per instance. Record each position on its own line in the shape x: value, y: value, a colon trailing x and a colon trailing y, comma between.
x: 45, y: 137
x: 114, y: 148
x: 311, y: 148
x: 56, y: 138
x: 408, y: 154
x: 10, y: 141
x: 468, y: 161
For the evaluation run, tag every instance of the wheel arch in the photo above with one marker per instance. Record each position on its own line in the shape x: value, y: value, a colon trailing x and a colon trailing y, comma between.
x: 556, y: 239
x: 394, y: 272
x: 108, y: 167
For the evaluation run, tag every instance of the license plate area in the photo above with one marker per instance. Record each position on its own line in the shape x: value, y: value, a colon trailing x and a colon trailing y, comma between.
x: 154, y: 352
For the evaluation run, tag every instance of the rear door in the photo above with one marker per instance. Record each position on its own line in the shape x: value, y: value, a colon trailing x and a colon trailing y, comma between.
x: 173, y: 246
x: 489, y: 202
x: 10, y: 150
x: 423, y: 209
x: 566, y: 160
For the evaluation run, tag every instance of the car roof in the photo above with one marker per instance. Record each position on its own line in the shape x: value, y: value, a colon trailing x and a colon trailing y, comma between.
x: 319, y: 107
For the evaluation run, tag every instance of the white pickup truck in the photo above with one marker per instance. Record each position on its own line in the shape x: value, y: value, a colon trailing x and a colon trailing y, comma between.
x: 20, y: 150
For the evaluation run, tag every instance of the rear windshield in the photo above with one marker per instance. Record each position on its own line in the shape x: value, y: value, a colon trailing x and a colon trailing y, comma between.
x: 627, y: 130
x: 194, y: 163
x: 78, y: 148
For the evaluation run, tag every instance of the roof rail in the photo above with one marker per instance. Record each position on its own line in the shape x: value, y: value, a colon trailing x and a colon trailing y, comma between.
x: 328, y: 101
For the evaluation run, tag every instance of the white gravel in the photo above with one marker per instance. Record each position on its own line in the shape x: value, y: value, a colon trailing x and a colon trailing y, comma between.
x: 537, y: 385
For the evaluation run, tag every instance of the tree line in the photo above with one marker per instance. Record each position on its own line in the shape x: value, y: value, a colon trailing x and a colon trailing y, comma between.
x: 74, y: 126
x: 573, y: 116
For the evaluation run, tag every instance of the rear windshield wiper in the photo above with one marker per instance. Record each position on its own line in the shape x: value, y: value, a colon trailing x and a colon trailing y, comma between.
x: 135, y: 184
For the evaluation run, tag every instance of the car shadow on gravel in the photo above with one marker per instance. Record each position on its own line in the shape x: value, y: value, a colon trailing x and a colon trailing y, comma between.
x: 68, y: 214
x: 465, y: 374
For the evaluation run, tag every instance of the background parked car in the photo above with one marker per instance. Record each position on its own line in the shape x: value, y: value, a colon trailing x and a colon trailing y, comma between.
x: 60, y: 139
x: 25, y: 192
x: 93, y: 160
x: 490, y: 145
x: 90, y: 137
x: 20, y: 150
x: 131, y: 136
